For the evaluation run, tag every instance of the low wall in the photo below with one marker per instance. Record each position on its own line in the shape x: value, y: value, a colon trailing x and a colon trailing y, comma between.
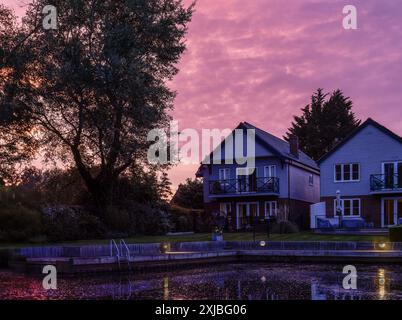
x: 206, y: 246
x: 84, y: 251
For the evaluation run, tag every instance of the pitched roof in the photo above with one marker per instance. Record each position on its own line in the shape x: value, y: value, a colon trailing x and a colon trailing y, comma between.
x: 279, y: 146
x: 368, y: 122
x: 276, y: 145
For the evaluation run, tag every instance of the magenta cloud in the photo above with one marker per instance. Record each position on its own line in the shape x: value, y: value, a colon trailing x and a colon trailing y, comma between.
x: 260, y: 61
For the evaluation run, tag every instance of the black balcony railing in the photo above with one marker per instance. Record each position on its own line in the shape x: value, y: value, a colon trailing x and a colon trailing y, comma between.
x: 245, y: 184
x: 384, y: 182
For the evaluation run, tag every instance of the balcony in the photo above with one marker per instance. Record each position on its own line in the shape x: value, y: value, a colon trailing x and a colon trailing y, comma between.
x: 386, y: 183
x: 244, y: 186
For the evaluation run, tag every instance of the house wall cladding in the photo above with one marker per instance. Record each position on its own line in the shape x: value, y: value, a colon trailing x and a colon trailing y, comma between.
x: 292, y: 210
x: 370, y: 147
x: 370, y: 208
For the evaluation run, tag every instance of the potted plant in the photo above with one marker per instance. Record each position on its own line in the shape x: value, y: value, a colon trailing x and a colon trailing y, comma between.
x: 217, y: 234
x: 220, y: 222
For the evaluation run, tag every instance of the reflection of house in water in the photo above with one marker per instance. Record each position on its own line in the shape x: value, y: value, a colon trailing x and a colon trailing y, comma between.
x: 333, y: 292
x: 242, y: 283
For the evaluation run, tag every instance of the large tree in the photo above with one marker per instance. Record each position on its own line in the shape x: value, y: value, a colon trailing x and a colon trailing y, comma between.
x: 16, y: 143
x: 87, y: 93
x: 324, y: 122
x: 189, y: 194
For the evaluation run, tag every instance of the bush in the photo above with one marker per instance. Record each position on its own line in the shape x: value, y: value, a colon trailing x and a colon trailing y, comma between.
x: 284, y: 227
x: 149, y: 220
x: 118, y: 220
x: 19, y: 223
x: 71, y: 223
x: 395, y: 234
x: 182, y: 218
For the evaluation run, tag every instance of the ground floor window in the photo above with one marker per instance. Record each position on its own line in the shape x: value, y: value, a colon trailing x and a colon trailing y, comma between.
x: 349, y: 207
x: 271, y: 209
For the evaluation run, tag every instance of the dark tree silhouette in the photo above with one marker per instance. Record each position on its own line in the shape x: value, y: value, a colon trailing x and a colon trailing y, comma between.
x: 189, y: 194
x: 323, y: 123
x: 87, y: 93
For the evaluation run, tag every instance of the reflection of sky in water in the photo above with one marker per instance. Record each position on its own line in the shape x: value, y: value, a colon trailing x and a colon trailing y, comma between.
x: 232, y: 281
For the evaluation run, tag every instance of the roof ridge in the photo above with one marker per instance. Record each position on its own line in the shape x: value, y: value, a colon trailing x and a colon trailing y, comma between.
x: 284, y: 153
x: 363, y: 125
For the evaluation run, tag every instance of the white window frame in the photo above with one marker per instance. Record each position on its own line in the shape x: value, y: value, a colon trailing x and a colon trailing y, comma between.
x: 395, y: 199
x: 223, y: 207
x: 275, y: 212
x: 226, y: 174
x: 311, y: 180
x: 248, y: 204
x: 395, y: 163
x: 247, y: 171
x: 270, y: 171
x: 351, y: 206
x: 343, y: 172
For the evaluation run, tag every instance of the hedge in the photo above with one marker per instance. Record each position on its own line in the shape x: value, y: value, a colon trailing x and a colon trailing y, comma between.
x: 395, y: 234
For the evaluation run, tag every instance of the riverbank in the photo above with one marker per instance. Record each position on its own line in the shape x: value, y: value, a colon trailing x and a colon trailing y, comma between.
x: 157, y: 256
x: 196, y: 237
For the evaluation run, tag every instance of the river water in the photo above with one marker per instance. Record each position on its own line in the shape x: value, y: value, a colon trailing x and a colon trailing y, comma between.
x: 241, y: 281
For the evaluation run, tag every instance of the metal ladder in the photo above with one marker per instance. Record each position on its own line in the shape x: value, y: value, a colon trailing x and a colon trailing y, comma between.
x: 126, y: 249
x: 122, y: 251
x: 115, y: 247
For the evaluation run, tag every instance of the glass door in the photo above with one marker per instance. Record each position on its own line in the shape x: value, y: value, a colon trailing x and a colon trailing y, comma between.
x: 241, y: 215
x: 246, y: 213
x: 246, y: 179
x: 389, y: 214
x: 389, y: 170
x: 253, y: 213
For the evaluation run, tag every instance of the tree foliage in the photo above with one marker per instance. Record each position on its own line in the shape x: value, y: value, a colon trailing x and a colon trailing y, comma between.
x: 190, y: 194
x: 87, y: 93
x: 323, y: 123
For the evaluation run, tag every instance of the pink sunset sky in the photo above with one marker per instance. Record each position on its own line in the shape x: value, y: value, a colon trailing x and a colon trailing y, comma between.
x: 260, y: 61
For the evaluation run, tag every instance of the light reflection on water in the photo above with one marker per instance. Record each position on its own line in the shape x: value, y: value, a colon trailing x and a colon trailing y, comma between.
x: 225, y: 282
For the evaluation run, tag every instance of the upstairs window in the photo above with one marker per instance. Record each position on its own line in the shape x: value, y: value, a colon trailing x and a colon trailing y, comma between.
x: 347, y: 172
x: 311, y: 180
x: 270, y: 171
x: 224, y: 174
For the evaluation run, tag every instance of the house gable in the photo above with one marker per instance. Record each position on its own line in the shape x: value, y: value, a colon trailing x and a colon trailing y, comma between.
x: 369, y: 146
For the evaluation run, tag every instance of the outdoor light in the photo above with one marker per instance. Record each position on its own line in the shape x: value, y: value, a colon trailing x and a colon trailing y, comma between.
x: 382, y: 245
x: 165, y: 247
x: 262, y: 243
x: 263, y: 279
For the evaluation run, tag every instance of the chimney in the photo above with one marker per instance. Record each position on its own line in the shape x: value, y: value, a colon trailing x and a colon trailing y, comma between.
x: 294, y: 145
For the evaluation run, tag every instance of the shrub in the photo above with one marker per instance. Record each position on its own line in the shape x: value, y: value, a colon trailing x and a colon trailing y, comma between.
x: 71, y: 223
x: 149, y: 220
x: 182, y: 218
x: 395, y: 234
x: 118, y: 220
x: 19, y: 223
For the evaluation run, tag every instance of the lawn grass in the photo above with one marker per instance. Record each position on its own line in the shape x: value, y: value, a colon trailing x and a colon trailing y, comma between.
x: 301, y: 236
